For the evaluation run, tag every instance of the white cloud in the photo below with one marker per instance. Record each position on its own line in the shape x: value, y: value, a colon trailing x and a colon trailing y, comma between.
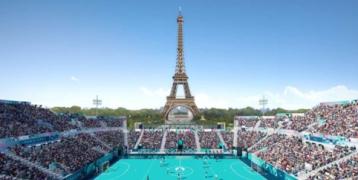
x: 288, y: 97
x: 150, y: 98
x: 73, y: 78
x: 160, y: 92
x: 203, y: 100
x: 293, y: 98
x: 146, y: 91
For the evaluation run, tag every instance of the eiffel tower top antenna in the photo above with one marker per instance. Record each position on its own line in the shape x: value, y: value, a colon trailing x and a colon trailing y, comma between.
x: 179, y: 10
x: 180, y: 66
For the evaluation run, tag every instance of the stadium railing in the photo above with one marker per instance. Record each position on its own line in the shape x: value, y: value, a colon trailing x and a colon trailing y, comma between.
x: 277, y: 173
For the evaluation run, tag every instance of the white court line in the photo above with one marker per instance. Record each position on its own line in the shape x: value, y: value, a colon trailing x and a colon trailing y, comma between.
x: 211, y: 169
x: 149, y: 168
x: 185, y: 175
x: 250, y: 170
x: 123, y: 173
x: 235, y: 172
x: 180, y: 165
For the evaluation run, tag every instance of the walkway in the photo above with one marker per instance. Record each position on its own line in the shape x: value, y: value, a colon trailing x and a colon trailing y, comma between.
x: 221, y: 138
x: 164, y: 140
x: 197, y: 141
x: 139, y: 139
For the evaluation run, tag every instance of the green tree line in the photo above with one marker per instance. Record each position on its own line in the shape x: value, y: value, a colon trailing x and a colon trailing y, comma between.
x: 208, y: 116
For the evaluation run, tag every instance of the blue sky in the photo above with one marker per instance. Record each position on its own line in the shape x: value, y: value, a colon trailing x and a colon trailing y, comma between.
x: 297, y: 53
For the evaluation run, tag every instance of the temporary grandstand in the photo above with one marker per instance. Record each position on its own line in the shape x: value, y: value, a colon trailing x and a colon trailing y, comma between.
x: 37, y: 143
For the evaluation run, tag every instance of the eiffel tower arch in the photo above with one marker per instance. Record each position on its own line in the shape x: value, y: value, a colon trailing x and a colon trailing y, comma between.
x: 180, y: 78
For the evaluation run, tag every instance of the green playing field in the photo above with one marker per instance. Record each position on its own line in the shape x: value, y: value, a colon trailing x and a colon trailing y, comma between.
x: 180, y: 167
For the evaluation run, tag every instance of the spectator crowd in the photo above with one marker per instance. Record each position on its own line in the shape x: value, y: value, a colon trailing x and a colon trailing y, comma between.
x: 11, y: 169
x: 209, y: 139
x: 246, y: 121
x: 291, y: 154
x: 69, y: 153
x: 73, y: 151
x: 344, y: 170
x: 152, y: 139
x: 187, y: 136
x: 21, y: 118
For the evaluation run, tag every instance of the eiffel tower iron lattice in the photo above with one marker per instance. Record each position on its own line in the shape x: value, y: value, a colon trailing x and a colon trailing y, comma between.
x: 180, y: 78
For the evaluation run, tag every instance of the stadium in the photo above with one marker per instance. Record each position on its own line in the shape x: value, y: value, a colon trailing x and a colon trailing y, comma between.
x: 285, y: 146
x: 180, y: 141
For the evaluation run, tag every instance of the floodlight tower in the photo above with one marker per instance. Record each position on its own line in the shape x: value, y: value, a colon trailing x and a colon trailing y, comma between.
x: 97, y: 102
x: 263, y: 102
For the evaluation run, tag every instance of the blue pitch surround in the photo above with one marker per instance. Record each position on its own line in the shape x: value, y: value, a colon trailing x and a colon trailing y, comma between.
x: 186, y: 167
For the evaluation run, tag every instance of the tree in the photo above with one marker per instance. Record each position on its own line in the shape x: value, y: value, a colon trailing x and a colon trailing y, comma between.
x: 152, y: 117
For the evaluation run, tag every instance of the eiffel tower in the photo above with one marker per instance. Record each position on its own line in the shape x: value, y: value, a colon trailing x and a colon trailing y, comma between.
x: 180, y: 78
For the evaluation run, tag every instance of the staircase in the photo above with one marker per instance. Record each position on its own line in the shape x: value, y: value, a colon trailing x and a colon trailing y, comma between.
x: 79, y: 124
x: 67, y: 169
x: 197, y: 141
x: 33, y: 165
x: 139, y: 139
x: 98, y: 149
x: 288, y: 124
x: 4, y: 176
x: 267, y: 135
x: 103, y: 124
x: 164, y: 140
x: 101, y: 142
x: 221, y: 139
x: 257, y: 125
x: 303, y: 175
x: 311, y: 126
x: 235, y: 137
x: 125, y: 133
x: 45, y: 124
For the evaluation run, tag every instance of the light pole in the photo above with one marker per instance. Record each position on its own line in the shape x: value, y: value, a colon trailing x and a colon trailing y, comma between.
x: 263, y: 102
x: 97, y: 102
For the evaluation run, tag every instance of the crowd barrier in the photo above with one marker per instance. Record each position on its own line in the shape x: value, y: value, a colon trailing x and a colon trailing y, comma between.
x: 96, y: 167
x: 38, y: 138
x: 336, y: 140
x: 29, y: 140
x: 277, y: 173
